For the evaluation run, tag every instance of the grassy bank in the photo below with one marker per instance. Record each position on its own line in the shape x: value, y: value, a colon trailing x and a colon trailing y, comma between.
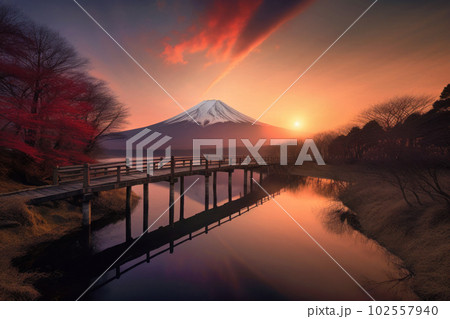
x: 419, y: 234
x: 23, y: 226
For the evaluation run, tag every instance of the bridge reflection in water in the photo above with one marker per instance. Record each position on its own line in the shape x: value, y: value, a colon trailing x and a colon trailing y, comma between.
x: 78, y: 265
x: 165, y: 239
x: 261, y: 256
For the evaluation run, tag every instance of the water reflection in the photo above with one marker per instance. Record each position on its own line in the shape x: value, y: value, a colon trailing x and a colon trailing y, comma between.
x: 165, y: 239
x: 257, y: 252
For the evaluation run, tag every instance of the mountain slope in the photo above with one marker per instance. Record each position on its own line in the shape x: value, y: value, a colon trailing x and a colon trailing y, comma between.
x: 210, y: 112
x: 216, y: 120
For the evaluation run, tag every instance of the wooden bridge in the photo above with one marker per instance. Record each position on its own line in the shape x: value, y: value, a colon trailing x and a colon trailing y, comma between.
x: 80, y: 264
x: 86, y: 180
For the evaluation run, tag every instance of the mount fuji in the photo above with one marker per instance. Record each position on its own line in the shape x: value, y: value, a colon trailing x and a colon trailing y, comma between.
x: 209, y: 119
x: 210, y: 112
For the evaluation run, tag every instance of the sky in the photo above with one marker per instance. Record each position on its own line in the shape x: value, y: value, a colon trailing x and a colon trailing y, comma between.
x: 247, y: 53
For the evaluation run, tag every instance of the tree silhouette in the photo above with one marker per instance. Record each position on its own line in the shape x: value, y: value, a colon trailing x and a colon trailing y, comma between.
x: 397, y: 130
x: 444, y: 102
x: 396, y: 110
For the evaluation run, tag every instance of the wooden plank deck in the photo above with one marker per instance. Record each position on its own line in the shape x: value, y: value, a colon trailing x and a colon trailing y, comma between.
x: 102, y: 183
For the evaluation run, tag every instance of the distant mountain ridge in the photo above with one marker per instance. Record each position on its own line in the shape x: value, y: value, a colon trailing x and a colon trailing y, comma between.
x: 216, y: 120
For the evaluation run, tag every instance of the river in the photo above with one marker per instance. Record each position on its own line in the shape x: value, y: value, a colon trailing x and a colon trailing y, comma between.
x: 260, y: 255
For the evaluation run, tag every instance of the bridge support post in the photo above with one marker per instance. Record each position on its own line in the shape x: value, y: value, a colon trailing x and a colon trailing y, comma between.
x: 171, y: 202
x: 128, y: 214
x: 251, y: 180
x: 55, y: 176
x: 86, y: 176
x: 215, y: 189
x: 145, y: 221
x: 230, y: 183
x: 172, y: 166
x: 260, y: 176
x: 172, y: 191
x: 206, y: 191
x: 181, y: 197
x: 86, y: 209
x: 245, y: 182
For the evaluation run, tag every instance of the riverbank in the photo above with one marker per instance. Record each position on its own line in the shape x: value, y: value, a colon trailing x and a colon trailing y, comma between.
x: 23, y: 226
x: 419, y: 235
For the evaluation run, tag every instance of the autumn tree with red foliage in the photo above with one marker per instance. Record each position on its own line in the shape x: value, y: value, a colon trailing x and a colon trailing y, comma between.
x: 50, y: 108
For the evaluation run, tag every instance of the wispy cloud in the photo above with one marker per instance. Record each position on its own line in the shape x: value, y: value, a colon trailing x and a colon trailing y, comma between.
x: 215, y: 32
x: 227, y: 31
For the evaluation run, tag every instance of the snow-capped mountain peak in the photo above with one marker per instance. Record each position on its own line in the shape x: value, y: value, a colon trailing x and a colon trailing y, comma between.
x: 210, y: 112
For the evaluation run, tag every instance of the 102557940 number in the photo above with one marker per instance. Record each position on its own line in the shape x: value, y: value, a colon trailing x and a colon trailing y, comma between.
x: 403, y: 310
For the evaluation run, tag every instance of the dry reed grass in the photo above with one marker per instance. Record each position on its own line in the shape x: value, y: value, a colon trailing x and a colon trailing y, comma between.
x: 32, y: 225
x: 420, y: 235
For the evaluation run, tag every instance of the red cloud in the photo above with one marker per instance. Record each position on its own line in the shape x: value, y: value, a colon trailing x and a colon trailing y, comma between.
x: 217, y: 31
x: 231, y: 29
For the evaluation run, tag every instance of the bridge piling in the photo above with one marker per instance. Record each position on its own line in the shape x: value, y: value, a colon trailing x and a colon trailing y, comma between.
x: 181, y: 197
x: 172, y: 167
x: 230, y: 183
x: 215, y: 189
x: 118, y: 174
x: 128, y: 214
x: 171, y: 202
x: 86, y: 209
x: 251, y: 180
x: 172, y: 191
x: 55, y: 176
x: 245, y: 181
x: 145, y: 204
x: 206, y: 191
x: 86, y: 175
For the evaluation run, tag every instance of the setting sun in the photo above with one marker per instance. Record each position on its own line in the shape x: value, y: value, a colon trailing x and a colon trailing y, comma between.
x: 297, y: 124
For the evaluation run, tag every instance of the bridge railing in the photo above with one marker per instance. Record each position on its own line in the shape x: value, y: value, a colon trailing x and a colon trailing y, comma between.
x: 85, y: 172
